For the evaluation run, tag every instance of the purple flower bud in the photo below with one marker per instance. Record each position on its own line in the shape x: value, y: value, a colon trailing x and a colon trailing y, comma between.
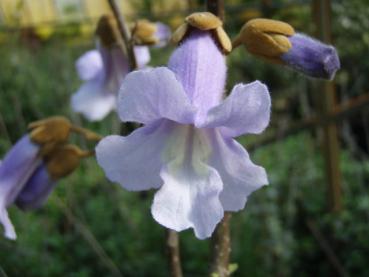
x: 312, y: 57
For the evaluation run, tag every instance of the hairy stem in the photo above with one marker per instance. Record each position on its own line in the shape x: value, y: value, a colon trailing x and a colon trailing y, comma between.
x: 221, y: 247
x: 172, y: 243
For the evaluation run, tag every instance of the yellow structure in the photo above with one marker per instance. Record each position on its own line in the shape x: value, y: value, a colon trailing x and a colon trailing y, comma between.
x: 27, y: 13
x: 44, y: 14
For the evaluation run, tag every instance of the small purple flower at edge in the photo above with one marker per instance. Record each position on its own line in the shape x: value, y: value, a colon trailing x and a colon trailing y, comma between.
x: 186, y: 148
x: 16, y: 169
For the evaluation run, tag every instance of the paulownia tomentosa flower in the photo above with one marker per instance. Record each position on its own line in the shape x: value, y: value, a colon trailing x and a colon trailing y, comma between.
x: 186, y: 148
x: 30, y: 170
x: 104, y: 69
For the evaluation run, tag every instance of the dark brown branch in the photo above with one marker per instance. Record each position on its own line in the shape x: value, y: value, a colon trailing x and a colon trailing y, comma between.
x: 221, y: 247
x: 172, y: 242
x: 125, y: 33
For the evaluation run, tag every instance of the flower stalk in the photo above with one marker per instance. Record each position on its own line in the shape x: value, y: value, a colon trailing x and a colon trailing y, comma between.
x: 172, y: 244
x: 124, y: 32
x: 221, y: 248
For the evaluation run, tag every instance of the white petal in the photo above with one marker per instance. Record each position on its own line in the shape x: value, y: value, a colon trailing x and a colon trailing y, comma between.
x: 246, y: 110
x: 240, y: 176
x: 189, y: 196
x: 135, y: 161
x: 93, y: 101
x: 89, y: 65
x: 142, y: 55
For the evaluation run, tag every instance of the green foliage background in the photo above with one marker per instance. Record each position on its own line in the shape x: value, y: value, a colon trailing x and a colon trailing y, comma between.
x: 90, y: 227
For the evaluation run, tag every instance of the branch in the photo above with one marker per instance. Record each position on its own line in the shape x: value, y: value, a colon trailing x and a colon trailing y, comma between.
x: 172, y: 243
x: 221, y: 247
x: 125, y: 33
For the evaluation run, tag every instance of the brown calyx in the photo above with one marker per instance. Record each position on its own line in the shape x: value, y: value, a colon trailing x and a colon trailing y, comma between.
x: 204, y: 21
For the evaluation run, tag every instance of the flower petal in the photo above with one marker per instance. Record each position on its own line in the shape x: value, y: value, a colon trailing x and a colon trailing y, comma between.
x: 200, y: 67
x: 246, y: 110
x: 240, y: 176
x: 151, y: 94
x: 142, y: 55
x: 36, y: 191
x: 135, y: 161
x: 89, y: 65
x: 93, y: 101
x: 16, y: 168
x: 162, y: 33
x: 189, y: 196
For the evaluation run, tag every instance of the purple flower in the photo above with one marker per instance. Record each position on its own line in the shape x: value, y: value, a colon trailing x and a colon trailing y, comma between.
x: 186, y: 148
x: 105, y: 68
x: 17, y: 167
x: 311, y: 57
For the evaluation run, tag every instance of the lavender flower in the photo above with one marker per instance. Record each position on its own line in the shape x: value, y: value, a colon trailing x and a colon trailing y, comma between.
x: 30, y: 169
x: 186, y: 147
x: 17, y: 167
x: 105, y: 68
x: 311, y: 57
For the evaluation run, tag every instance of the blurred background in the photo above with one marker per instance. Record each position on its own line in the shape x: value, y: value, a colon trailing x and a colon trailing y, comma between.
x: 312, y: 220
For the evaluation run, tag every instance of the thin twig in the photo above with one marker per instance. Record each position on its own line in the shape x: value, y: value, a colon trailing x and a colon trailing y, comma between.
x: 172, y: 242
x: 90, y: 238
x: 221, y: 247
x: 327, y: 249
x: 2, y: 272
x: 216, y: 7
x: 125, y: 33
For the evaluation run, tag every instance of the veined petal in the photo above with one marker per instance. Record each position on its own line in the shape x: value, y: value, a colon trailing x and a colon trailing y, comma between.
x: 151, y: 94
x: 246, y: 110
x: 200, y: 67
x: 135, y: 161
x: 189, y: 196
x: 142, y: 55
x: 36, y: 190
x: 16, y: 168
x: 240, y: 176
x: 93, y: 101
x: 89, y: 65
